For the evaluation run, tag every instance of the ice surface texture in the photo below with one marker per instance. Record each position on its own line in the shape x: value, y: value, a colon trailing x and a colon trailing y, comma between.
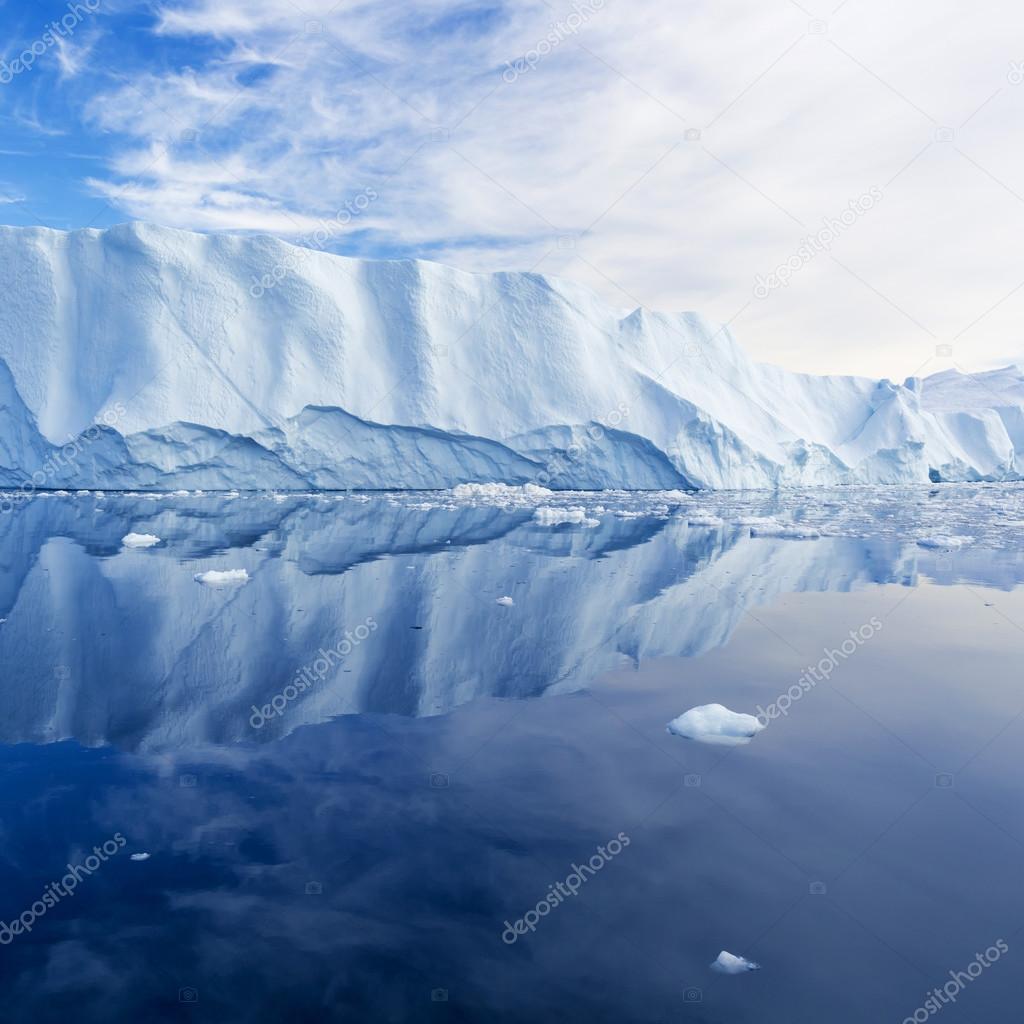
x: 171, y: 364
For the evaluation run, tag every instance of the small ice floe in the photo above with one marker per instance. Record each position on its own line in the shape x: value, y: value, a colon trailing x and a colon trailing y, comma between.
x: 546, y: 515
x: 505, y: 602
x: 785, y: 532
x: 715, y: 723
x: 140, y: 856
x: 139, y: 540
x: 703, y: 520
x: 727, y: 963
x: 941, y: 543
x: 222, y: 577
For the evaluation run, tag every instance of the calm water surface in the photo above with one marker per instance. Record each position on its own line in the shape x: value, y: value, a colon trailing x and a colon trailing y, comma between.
x: 353, y: 772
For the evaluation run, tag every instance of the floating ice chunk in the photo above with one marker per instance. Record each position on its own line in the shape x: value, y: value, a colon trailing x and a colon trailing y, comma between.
x: 505, y: 601
x: 140, y: 856
x: 702, y: 520
x: 139, y: 540
x: 727, y: 963
x: 715, y: 723
x: 222, y: 577
x: 786, y: 532
x: 944, y: 543
x: 500, y: 493
x: 546, y: 515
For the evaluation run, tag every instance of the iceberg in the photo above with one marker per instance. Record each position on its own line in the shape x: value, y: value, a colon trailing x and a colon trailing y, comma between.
x: 141, y: 358
x: 715, y: 723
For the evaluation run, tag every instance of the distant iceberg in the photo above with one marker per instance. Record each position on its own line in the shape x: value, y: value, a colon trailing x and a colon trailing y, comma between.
x: 715, y: 723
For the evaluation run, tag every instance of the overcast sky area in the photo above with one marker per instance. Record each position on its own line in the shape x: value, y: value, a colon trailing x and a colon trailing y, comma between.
x: 672, y: 155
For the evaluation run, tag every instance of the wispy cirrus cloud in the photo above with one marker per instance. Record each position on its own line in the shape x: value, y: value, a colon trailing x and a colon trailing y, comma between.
x: 665, y: 156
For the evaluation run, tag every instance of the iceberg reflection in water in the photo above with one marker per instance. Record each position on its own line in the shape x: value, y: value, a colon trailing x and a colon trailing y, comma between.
x: 343, y: 787
x: 105, y: 644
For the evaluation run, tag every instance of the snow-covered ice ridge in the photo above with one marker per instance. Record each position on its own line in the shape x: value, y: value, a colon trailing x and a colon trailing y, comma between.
x: 162, y: 352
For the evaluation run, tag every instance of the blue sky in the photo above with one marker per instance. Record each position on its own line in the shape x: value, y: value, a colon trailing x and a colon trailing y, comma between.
x: 674, y: 156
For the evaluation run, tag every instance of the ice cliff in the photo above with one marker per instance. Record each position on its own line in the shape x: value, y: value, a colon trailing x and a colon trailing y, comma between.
x: 144, y: 357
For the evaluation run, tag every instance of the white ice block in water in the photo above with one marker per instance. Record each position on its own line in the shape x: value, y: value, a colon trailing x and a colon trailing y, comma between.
x: 140, y: 856
x: 222, y: 577
x: 506, y: 601
x: 727, y: 963
x: 715, y: 723
x: 139, y: 540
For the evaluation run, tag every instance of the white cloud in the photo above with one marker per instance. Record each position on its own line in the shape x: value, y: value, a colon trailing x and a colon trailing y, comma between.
x: 73, y: 57
x: 796, y: 119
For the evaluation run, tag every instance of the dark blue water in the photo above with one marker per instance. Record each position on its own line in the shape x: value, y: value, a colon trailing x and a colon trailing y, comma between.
x: 357, y: 854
